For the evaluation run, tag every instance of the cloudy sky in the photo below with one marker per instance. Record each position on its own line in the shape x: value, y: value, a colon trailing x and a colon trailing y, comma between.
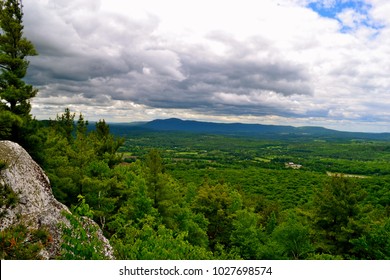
x: 291, y: 62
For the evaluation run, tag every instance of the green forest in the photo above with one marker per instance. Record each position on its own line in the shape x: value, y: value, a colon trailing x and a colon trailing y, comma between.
x: 170, y: 195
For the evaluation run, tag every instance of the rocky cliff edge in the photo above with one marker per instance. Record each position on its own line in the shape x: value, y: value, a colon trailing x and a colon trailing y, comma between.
x: 36, y: 206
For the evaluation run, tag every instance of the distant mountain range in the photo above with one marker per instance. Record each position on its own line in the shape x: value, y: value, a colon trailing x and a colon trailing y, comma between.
x: 240, y: 129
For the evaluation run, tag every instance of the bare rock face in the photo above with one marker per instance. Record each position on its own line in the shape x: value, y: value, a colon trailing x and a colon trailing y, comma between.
x: 36, y: 204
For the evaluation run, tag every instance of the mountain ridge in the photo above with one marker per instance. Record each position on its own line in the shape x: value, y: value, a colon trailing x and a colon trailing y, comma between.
x: 241, y: 129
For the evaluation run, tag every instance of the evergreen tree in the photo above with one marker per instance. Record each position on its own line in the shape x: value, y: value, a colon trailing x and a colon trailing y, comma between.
x: 106, y: 145
x: 15, y: 94
x: 337, y: 210
x: 154, y: 176
x: 64, y: 124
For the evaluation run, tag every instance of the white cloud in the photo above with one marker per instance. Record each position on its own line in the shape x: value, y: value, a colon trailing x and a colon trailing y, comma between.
x: 351, y: 18
x: 217, y: 60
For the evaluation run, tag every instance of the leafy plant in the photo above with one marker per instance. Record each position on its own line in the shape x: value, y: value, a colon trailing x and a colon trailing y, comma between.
x: 80, y: 240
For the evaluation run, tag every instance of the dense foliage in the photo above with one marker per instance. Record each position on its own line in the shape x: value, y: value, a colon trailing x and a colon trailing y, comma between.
x: 181, y: 196
x: 257, y: 205
x: 193, y: 196
x: 178, y: 196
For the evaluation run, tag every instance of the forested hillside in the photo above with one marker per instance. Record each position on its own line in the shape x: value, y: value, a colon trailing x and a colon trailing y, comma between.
x: 165, y: 195
x: 188, y: 196
x: 240, y: 129
x: 291, y: 198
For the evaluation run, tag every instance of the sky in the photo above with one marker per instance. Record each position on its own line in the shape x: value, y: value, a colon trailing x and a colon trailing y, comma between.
x: 284, y: 62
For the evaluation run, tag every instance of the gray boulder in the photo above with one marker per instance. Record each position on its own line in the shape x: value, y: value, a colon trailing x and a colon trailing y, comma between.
x: 36, y: 206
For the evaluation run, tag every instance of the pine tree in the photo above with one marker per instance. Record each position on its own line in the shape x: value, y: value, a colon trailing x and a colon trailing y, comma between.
x: 15, y: 94
x: 337, y: 208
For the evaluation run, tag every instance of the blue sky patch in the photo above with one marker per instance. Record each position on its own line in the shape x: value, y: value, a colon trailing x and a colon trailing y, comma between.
x: 332, y: 8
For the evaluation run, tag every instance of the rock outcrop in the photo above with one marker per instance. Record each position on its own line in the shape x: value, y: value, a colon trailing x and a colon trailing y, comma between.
x: 36, y: 205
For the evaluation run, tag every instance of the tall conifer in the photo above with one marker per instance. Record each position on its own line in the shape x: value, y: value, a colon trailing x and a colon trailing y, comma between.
x: 15, y: 94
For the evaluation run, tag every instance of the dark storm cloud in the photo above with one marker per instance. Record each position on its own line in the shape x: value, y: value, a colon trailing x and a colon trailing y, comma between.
x: 207, y: 76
